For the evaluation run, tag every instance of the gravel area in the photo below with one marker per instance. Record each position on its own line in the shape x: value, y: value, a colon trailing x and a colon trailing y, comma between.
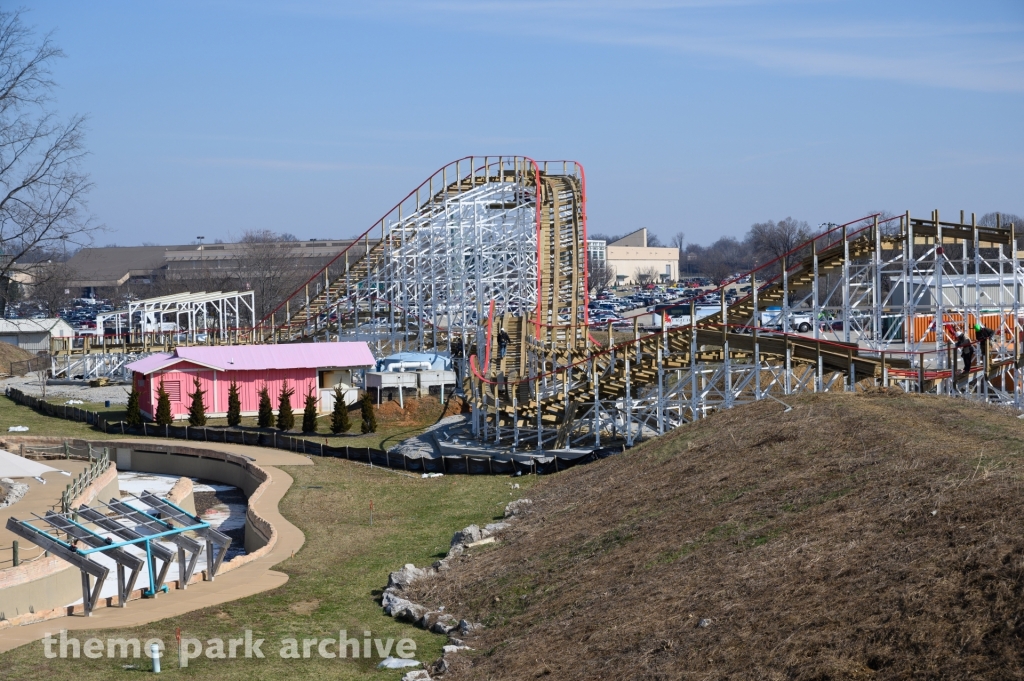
x: 117, y: 394
x: 424, y: 445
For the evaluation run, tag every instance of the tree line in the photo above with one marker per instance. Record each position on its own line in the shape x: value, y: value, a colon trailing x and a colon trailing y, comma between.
x: 284, y: 421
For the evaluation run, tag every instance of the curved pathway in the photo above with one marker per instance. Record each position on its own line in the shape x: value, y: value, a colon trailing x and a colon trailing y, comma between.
x: 247, y: 580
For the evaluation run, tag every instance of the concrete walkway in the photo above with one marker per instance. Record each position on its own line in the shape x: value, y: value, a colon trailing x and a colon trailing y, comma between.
x: 245, y: 581
x: 39, y: 499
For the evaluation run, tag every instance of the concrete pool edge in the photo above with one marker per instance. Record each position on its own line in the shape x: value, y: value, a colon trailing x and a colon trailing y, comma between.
x: 237, y: 579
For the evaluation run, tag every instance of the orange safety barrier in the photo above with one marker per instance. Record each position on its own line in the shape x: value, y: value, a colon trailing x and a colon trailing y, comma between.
x: 923, y: 326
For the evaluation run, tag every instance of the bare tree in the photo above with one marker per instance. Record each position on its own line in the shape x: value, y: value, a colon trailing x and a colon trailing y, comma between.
x: 604, y: 237
x: 888, y: 222
x: 52, y: 287
x: 1005, y: 220
x: 653, y: 241
x: 679, y: 241
x: 645, y: 275
x: 10, y: 292
x: 42, y: 186
x: 269, y: 268
x: 724, y: 258
x: 775, y: 239
x: 42, y: 375
x: 599, y: 275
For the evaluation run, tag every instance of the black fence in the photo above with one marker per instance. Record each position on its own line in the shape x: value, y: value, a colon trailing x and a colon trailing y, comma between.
x: 462, y: 465
x: 25, y: 366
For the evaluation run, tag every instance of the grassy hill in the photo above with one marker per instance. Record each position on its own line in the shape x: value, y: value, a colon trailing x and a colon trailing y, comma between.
x: 857, y: 536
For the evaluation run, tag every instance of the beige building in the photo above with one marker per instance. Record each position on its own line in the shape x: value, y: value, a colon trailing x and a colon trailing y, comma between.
x: 630, y: 257
x: 34, y: 334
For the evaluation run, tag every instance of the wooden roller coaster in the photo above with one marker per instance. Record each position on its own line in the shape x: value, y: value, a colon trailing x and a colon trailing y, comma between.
x: 487, y: 244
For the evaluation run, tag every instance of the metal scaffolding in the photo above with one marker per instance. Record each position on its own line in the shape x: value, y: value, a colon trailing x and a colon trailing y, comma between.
x: 185, y: 315
x: 494, y: 247
x: 463, y: 246
x: 888, y: 298
x: 498, y: 244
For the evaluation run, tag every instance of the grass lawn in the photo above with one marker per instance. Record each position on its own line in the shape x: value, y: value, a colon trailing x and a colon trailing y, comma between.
x: 334, y: 580
x: 13, y: 414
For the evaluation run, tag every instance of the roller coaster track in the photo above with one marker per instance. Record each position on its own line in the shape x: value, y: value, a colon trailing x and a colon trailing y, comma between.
x: 672, y: 349
x: 492, y: 244
x: 473, y: 232
x: 613, y: 372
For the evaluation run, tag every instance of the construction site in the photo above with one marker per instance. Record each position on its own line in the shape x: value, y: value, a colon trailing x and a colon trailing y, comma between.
x: 799, y: 399
x: 498, y: 244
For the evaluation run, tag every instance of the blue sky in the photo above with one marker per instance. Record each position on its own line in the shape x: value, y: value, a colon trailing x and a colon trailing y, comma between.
x: 210, y: 118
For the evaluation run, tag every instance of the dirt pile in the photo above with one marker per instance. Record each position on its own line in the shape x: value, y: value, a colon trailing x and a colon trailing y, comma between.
x: 858, y: 536
x: 418, y: 409
x: 12, y: 353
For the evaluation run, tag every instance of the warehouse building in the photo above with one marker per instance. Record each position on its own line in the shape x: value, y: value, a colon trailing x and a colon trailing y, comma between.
x: 34, y: 335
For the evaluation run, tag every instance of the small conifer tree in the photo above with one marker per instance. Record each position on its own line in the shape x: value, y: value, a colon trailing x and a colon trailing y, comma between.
x: 163, y: 407
x: 369, y: 424
x: 265, y: 417
x: 285, y: 415
x: 133, y: 414
x: 309, y: 413
x: 234, y: 405
x: 340, y: 422
x: 197, y: 410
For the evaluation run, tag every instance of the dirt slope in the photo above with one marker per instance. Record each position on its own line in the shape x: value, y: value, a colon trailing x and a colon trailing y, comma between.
x: 874, y: 536
x: 12, y: 353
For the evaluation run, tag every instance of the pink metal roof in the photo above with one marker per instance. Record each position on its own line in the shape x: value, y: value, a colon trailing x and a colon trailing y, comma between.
x: 259, y: 357
x: 148, y: 365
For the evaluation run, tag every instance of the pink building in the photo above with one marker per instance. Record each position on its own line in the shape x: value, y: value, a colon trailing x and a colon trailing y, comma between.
x: 319, y: 367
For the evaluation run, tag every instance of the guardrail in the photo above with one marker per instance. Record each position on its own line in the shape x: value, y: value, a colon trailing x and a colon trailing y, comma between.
x: 86, y: 478
x: 17, y: 555
x: 66, y: 450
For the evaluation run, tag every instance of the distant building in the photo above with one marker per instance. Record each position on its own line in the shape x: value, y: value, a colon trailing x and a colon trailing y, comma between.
x: 630, y: 256
x: 316, y: 367
x: 112, y: 267
x: 34, y: 334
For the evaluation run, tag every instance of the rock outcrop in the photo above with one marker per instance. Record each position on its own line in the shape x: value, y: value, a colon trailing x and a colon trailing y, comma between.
x: 397, y: 605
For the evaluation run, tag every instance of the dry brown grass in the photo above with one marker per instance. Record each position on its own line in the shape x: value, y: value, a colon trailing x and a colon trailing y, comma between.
x: 419, y: 409
x: 858, y: 536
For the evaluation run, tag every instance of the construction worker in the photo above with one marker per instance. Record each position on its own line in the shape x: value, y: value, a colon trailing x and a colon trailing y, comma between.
x: 966, y: 351
x: 457, y: 350
x: 984, y: 335
x: 503, y: 341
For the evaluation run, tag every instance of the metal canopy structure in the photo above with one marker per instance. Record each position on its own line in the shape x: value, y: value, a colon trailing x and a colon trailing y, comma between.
x: 194, y: 313
x: 133, y: 532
